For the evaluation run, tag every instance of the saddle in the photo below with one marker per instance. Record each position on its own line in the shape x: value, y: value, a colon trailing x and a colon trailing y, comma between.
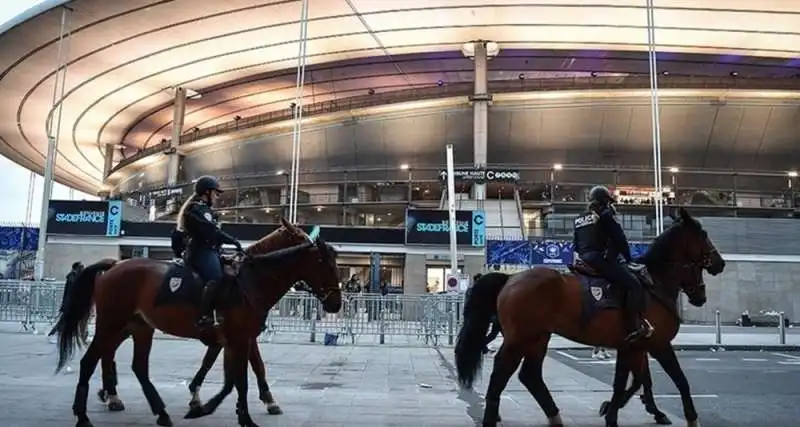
x: 601, y: 293
x: 182, y: 285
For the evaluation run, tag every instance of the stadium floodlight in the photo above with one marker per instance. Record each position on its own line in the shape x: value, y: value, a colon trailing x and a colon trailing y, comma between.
x: 280, y: 172
x: 674, y: 169
x: 404, y: 166
x: 792, y: 174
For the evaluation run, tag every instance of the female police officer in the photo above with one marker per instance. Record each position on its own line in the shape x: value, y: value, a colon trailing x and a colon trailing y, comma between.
x: 198, y: 221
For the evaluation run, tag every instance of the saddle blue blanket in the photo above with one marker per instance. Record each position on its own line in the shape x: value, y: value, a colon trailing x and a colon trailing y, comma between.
x: 599, y: 293
x: 180, y: 286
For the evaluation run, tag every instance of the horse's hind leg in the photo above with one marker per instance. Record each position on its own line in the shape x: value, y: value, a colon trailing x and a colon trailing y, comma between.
x: 506, y: 362
x: 641, y: 374
x: 622, y: 370
x: 108, y: 394
x: 264, y: 393
x: 530, y: 375
x: 212, y: 353
x: 142, y: 344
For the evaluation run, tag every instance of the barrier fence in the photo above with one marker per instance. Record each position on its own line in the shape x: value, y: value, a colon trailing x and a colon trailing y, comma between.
x: 432, y: 319
x: 363, y: 319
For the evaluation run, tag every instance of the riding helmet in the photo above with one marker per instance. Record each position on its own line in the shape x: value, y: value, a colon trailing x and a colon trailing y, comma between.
x: 601, y: 195
x: 206, y: 183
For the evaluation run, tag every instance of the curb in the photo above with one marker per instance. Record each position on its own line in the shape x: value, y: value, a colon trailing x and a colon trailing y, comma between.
x: 714, y: 347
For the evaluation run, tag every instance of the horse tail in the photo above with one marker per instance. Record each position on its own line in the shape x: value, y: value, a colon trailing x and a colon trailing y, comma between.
x: 480, y: 305
x: 74, y: 317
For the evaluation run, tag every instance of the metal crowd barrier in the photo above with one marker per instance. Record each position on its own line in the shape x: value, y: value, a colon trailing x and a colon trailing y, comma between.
x: 363, y: 319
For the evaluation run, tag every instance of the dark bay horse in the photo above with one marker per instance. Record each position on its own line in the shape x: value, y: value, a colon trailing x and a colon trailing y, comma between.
x: 266, y: 271
x: 534, y: 304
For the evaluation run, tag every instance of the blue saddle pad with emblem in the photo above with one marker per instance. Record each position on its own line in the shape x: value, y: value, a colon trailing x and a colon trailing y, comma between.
x: 180, y: 286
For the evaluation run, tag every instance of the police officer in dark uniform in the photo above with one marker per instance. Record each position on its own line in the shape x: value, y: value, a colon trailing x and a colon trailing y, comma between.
x: 199, y: 222
x: 599, y: 242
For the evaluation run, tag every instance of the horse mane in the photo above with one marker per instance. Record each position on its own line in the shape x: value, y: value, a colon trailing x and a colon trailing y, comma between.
x: 269, y: 242
x: 658, y: 252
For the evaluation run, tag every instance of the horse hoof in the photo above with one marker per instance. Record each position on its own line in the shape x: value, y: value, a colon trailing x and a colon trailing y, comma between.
x: 101, y: 394
x: 274, y: 409
x: 195, y: 412
x: 247, y: 422
x: 612, y: 424
x: 164, y: 420
x: 663, y: 420
x: 604, y: 408
x: 116, y: 406
x: 194, y: 404
x: 85, y: 423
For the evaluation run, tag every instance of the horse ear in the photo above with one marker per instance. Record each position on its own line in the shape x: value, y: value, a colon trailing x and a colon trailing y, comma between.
x: 286, y: 223
x: 684, y: 215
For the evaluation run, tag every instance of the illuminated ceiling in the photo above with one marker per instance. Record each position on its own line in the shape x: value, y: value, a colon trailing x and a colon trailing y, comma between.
x: 125, y: 56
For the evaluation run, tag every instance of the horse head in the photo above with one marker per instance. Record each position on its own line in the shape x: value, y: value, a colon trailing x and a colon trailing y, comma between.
x: 292, y: 255
x: 692, y: 251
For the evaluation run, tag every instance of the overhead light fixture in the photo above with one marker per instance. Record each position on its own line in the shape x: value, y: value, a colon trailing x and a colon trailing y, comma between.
x: 521, y: 76
x: 734, y: 74
x: 468, y: 48
x: 319, y: 208
x: 793, y: 174
x: 666, y: 73
x: 593, y: 73
x: 404, y: 166
x: 193, y: 94
x: 371, y: 91
x: 237, y: 118
x: 558, y: 166
x: 674, y: 169
x: 280, y: 172
x: 440, y: 83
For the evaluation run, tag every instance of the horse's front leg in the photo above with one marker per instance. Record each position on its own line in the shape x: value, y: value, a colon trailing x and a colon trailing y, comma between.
x: 668, y: 360
x: 212, y: 353
x: 264, y: 393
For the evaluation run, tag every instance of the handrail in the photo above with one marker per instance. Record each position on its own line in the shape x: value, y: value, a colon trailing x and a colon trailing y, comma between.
x: 465, y: 89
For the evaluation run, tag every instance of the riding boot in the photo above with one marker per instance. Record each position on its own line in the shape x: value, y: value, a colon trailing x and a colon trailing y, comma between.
x: 206, y: 319
x: 638, y: 327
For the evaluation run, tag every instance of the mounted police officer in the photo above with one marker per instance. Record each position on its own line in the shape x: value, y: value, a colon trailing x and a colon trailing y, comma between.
x: 197, y: 219
x: 599, y: 242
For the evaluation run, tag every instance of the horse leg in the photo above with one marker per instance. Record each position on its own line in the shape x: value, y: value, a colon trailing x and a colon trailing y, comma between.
x: 237, y: 369
x: 641, y: 375
x: 108, y: 394
x: 209, y: 407
x: 629, y: 393
x: 212, y: 353
x: 142, y: 345
x: 668, y: 360
x: 105, y: 336
x: 506, y: 362
x: 530, y: 375
x: 264, y: 393
x: 621, y: 371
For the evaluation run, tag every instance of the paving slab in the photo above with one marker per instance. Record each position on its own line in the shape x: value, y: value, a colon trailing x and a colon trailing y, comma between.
x: 322, y: 386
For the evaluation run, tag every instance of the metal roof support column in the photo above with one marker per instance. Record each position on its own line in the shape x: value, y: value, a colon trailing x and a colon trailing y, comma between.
x: 178, y: 114
x: 298, y: 111
x: 108, y: 160
x: 480, y: 109
x: 53, y: 128
x: 656, y: 119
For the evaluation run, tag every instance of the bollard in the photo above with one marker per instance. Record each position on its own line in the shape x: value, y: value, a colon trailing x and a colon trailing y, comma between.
x: 382, y: 320
x: 717, y: 328
x: 311, y: 306
x: 782, y: 328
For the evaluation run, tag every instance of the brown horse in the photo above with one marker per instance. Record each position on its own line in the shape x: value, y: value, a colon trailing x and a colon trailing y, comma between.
x: 534, y: 304
x: 130, y: 288
x: 138, y: 329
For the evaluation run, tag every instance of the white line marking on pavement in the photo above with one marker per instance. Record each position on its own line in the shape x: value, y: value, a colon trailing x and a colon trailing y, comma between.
x: 793, y: 362
x: 568, y: 356
x: 597, y: 362
x: 706, y: 359
x: 677, y: 396
x: 788, y: 356
x: 745, y: 359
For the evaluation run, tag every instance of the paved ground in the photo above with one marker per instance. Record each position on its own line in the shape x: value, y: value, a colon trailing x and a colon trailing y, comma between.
x: 731, y: 388
x: 317, y: 386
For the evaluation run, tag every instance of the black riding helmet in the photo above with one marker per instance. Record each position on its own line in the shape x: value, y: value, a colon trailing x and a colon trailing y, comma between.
x: 600, y: 195
x: 206, y: 183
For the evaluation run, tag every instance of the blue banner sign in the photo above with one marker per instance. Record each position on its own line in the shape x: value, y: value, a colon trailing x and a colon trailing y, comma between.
x: 432, y: 227
x: 557, y: 253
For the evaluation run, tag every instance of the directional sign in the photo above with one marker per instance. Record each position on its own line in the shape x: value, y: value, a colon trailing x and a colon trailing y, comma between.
x: 482, y: 175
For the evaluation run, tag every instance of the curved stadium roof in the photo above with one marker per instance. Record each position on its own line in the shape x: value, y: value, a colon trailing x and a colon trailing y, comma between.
x: 124, y: 58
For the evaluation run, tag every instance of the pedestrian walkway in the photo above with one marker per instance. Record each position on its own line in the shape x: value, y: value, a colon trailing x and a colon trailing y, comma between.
x: 320, y: 386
